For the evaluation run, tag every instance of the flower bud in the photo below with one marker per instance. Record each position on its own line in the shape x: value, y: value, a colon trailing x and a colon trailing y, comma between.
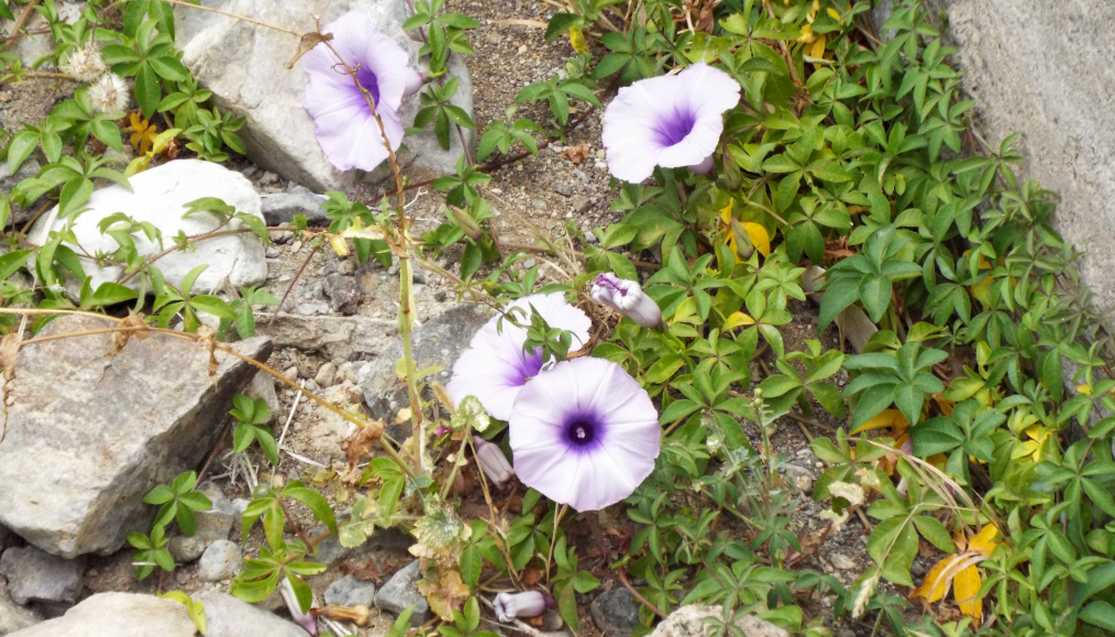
x: 465, y: 221
x: 303, y: 618
x: 512, y: 605
x: 492, y: 461
x: 627, y: 298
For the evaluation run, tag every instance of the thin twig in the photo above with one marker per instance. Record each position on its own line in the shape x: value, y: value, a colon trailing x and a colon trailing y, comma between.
x: 21, y: 21
x: 642, y: 600
x: 293, y: 282
x: 290, y: 416
x: 236, y: 16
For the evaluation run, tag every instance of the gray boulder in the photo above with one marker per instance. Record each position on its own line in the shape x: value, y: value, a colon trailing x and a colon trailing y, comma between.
x: 694, y: 621
x: 230, y: 617
x: 401, y: 592
x: 35, y: 576
x: 118, y: 615
x: 279, y: 134
x: 14, y: 617
x: 280, y: 207
x: 438, y: 341
x: 107, y: 426
x: 616, y: 612
x: 349, y: 591
x: 159, y: 196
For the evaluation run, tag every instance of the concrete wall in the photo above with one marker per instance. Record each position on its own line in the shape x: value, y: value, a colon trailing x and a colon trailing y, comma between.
x: 1046, y: 69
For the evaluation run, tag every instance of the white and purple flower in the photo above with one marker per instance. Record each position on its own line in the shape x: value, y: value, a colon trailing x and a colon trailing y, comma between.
x: 670, y: 121
x: 495, y: 367
x: 344, y: 122
x: 626, y: 297
x: 584, y: 433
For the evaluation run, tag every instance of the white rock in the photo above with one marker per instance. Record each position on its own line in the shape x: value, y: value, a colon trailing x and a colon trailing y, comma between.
x: 159, y: 196
x: 693, y: 621
x: 278, y: 133
x: 220, y: 561
x: 230, y: 617
x: 119, y: 615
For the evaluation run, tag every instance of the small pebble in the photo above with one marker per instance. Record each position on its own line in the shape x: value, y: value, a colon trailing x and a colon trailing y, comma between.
x: 219, y: 562
x: 326, y: 374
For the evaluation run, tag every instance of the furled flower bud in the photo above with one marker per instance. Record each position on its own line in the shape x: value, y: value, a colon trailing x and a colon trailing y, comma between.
x: 492, y: 461
x: 627, y: 298
x: 512, y: 605
x: 304, y: 619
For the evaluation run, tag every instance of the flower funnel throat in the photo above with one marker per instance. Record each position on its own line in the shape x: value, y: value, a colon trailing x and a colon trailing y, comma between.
x: 344, y: 121
x: 584, y: 433
x: 495, y: 367
x: 670, y: 121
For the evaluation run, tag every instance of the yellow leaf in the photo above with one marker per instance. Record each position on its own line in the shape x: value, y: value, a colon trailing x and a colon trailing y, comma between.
x: 1084, y: 388
x: 806, y: 33
x: 339, y: 245
x: 939, y: 579
x: 984, y: 542
x: 758, y: 236
x: 813, y: 9
x: 966, y: 592
x: 738, y: 319
x: 888, y: 418
x: 982, y: 291
x: 726, y: 213
x: 817, y: 49
x: 1026, y: 449
x: 577, y: 40
x: 834, y: 14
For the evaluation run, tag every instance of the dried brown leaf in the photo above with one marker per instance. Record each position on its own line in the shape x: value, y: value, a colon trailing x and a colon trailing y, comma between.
x: 305, y: 44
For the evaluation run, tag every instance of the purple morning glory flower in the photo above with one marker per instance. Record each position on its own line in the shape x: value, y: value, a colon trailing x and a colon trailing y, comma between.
x: 584, y: 433
x: 627, y: 298
x: 669, y: 120
x: 346, y: 128
x: 495, y: 367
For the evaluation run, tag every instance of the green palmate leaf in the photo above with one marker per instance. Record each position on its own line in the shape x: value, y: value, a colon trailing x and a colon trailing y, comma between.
x: 1099, y: 613
x: 315, y: 502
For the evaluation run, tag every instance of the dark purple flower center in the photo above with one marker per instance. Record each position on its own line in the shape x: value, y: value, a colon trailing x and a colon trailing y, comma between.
x: 527, y: 368
x: 582, y: 430
x: 673, y: 128
x: 369, y: 82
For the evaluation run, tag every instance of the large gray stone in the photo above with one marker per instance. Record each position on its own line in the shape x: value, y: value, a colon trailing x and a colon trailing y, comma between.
x: 349, y: 591
x: 279, y: 134
x: 281, y: 207
x: 615, y: 612
x: 118, y: 615
x: 14, y: 617
x: 36, y: 576
x: 1043, y: 69
x: 230, y: 617
x: 438, y: 341
x: 90, y: 430
x: 159, y: 196
x: 694, y: 621
x: 400, y: 592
